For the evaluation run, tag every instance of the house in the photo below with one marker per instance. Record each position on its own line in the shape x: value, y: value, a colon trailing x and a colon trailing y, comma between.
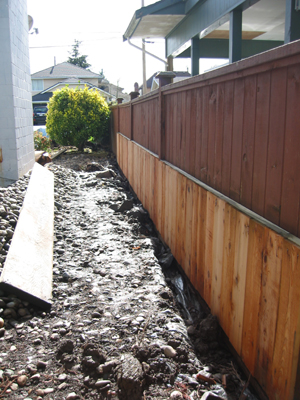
x: 153, y: 83
x: 230, y: 29
x: 45, y: 82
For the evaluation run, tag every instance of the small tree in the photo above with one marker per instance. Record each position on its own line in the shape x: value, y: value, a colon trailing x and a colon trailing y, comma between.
x: 76, y: 58
x: 76, y: 116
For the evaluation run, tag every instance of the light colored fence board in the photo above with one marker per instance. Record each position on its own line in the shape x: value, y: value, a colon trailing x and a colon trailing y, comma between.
x: 248, y: 274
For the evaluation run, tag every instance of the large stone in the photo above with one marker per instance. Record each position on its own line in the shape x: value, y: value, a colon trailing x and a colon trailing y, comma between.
x: 130, y: 378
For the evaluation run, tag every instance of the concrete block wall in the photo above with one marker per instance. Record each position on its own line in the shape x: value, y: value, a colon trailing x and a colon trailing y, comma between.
x: 16, y: 132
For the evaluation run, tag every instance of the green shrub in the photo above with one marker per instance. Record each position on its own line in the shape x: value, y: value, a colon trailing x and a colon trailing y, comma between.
x: 41, y: 142
x: 77, y: 115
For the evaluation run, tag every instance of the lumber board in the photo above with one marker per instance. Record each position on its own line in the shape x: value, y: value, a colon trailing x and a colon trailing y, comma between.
x: 217, y: 261
x: 27, y: 270
x: 209, y: 234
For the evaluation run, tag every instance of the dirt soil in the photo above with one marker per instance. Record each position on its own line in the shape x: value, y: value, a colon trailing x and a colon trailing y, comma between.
x: 124, y: 323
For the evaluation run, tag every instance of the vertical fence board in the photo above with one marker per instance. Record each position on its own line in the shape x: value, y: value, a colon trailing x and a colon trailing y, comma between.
x: 248, y: 141
x: 257, y: 241
x: 188, y: 133
x: 180, y: 219
x: 268, y: 311
x: 287, y: 323
x: 192, y: 135
x: 218, y: 243
x: 195, y: 223
x: 237, y: 129
x: 212, y: 110
x: 187, y: 256
x: 291, y: 176
x: 198, y: 143
x: 227, y: 136
x: 201, y: 241
x: 182, y: 98
x: 204, y: 136
x: 276, y: 145
x: 227, y: 306
x: 217, y: 183
x: 261, y: 142
x: 208, y: 258
x: 239, y: 279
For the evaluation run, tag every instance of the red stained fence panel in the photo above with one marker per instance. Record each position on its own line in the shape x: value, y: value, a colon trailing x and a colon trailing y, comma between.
x: 237, y: 129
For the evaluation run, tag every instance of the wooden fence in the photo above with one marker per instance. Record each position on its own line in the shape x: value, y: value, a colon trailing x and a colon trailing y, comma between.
x: 218, y: 173
x: 236, y: 129
x: 248, y: 274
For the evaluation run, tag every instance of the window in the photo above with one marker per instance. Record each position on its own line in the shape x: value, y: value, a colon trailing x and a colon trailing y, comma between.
x: 37, y: 84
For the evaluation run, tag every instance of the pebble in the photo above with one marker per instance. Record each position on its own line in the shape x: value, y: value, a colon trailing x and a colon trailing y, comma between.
x: 36, y: 377
x: 14, y: 386
x: 41, y: 364
x: 2, y: 332
x: 62, y: 377
x: 176, y: 395
x: 1, y: 322
x: 40, y: 392
x: 169, y: 351
x: 48, y: 390
x: 72, y: 396
x: 101, y: 383
x: 22, y: 380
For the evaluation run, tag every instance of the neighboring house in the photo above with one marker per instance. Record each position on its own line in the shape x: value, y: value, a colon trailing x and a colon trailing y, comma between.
x: 153, y: 83
x: 45, y: 82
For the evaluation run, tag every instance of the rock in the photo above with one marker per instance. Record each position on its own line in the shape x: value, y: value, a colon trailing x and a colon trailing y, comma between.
x: 40, y: 392
x: 1, y: 323
x: 101, y: 383
x: 126, y: 205
x: 130, y: 378
x: 72, y: 396
x: 107, y: 173
x: 2, y: 332
x: 41, y: 365
x: 62, y: 377
x: 22, y: 380
x: 169, y: 351
x: 32, y: 369
x: 36, y: 377
x: 48, y: 390
x: 176, y: 395
x: 92, y: 167
x: 14, y: 386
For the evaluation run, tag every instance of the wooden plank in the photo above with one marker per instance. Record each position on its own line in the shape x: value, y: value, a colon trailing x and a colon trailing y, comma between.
x: 195, y: 223
x: 286, y: 349
x: 237, y: 130
x: 212, y: 110
x: 275, y: 145
x: 187, y: 131
x: 261, y: 142
x: 239, y: 279
x: 227, y: 306
x: 192, y: 134
x: 227, y: 137
x: 289, y: 218
x: 182, y: 116
x: 248, y: 141
x: 268, y: 310
x: 217, y: 182
x: 218, y: 243
x: 204, y: 135
x: 201, y: 234
x: 198, y: 142
x: 208, y: 259
x: 253, y: 287
x: 187, y: 256
x: 27, y: 270
x: 180, y: 219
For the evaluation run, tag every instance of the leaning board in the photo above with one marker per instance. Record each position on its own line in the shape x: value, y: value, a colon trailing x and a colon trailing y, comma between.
x: 27, y: 270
